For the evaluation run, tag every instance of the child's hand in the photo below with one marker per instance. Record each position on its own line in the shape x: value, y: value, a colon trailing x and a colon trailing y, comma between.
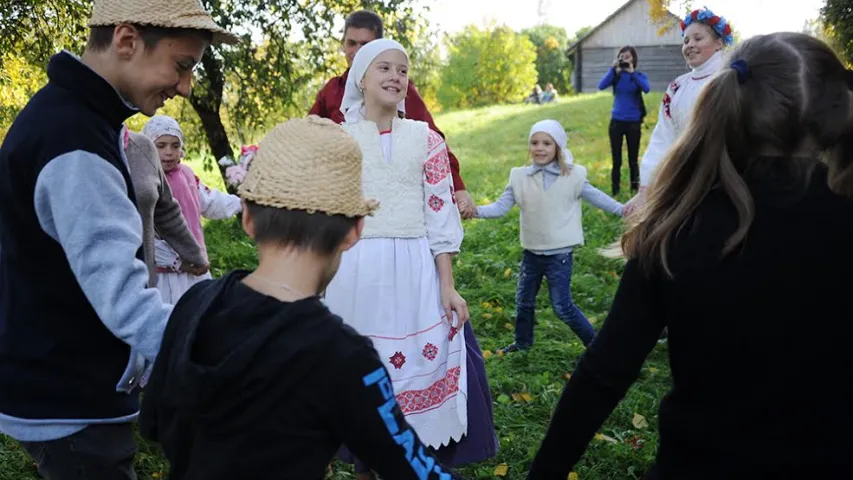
x: 453, y: 302
x: 465, y: 204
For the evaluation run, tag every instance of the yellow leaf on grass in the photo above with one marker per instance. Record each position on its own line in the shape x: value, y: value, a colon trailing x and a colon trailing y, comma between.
x: 527, y: 397
x: 508, y: 326
x: 567, y: 375
x: 487, y: 354
x: 499, y: 309
x: 500, y: 470
x: 155, y: 475
x: 487, y: 305
x: 500, y: 353
x: 573, y: 476
x: 653, y: 370
x: 639, y: 421
x: 507, y: 272
x: 605, y: 438
x: 486, y: 315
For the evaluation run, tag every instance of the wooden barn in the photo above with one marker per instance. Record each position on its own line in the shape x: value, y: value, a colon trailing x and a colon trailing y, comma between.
x: 659, y: 55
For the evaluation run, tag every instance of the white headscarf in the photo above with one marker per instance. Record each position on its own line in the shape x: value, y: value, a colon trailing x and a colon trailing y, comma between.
x: 557, y: 132
x: 352, y: 105
x: 160, y: 125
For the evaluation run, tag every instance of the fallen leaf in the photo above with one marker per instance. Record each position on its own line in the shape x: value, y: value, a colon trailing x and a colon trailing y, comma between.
x: 486, y: 315
x: 500, y: 470
x: 573, y: 476
x: 517, y: 397
x: 605, y: 438
x: 509, y: 326
x: 593, y: 320
x: 567, y: 375
x: 487, y: 305
x: 487, y: 354
x: 155, y: 475
x: 527, y: 397
x: 507, y: 272
x: 499, y: 353
x: 499, y: 309
x: 653, y: 370
x: 639, y: 421
x: 613, y: 274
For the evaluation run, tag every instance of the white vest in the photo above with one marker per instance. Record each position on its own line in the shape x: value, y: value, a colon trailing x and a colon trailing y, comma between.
x: 550, y: 219
x: 398, y: 184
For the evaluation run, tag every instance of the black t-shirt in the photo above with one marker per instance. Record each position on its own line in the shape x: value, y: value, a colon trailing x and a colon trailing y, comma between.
x: 247, y: 386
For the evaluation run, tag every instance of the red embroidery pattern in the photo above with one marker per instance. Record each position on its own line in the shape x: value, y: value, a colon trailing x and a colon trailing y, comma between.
x: 398, y: 360
x: 667, y: 101
x: 437, y: 167
x: 418, y: 400
x: 435, y: 203
x: 453, y: 332
x: 433, y: 140
x: 430, y: 351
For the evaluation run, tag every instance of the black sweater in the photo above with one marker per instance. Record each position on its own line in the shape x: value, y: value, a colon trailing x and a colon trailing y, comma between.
x: 246, y: 386
x: 758, y: 344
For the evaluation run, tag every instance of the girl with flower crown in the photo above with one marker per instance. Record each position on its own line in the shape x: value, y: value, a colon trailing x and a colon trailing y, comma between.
x: 196, y: 199
x: 396, y: 285
x: 705, y: 35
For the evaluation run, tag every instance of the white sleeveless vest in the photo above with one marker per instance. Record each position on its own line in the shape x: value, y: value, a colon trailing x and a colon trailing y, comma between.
x: 550, y: 219
x: 398, y: 184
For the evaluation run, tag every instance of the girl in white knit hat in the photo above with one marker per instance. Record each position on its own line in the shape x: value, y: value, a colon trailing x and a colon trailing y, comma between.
x: 548, y: 191
x: 396, y: 285
x: 197, y: 200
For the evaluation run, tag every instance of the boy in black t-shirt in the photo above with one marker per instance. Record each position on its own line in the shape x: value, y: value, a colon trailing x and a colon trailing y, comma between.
x: 256, y: 378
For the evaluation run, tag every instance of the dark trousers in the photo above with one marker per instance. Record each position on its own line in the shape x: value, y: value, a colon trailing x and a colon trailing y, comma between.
x: 558, y: 270
x: 631, y: 132
x: 98, y: 452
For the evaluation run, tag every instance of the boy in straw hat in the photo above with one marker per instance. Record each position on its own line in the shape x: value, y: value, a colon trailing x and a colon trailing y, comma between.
x: 256, y: 378
x: 77, y: 321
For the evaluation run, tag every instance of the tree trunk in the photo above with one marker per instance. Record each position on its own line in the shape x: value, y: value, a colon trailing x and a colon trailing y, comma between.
x: 206, y: 100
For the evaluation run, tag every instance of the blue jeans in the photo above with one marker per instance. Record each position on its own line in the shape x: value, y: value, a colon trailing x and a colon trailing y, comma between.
x: 558, y: 270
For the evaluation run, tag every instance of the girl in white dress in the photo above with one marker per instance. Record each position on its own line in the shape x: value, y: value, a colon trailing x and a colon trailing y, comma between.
x: 705, y: 36
x: 396, y: 285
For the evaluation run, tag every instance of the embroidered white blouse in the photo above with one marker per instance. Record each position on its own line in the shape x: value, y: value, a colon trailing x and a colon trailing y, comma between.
x: 674, y: 114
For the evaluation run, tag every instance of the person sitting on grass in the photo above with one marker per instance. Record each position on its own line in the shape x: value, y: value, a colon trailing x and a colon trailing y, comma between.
x: 256, y: 377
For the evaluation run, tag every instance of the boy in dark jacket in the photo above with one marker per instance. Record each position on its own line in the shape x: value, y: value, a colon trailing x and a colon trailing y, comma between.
x: 256, y: 377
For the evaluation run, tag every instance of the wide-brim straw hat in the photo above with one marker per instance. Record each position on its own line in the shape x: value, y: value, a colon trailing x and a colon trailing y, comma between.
x: 159, y: 13
x: 308, y: 164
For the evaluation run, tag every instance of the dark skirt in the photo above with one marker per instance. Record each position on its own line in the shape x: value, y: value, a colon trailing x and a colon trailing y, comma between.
x: 481, y: 441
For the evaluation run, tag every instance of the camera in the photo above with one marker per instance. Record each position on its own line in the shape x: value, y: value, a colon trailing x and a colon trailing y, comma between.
x: 623, y: 64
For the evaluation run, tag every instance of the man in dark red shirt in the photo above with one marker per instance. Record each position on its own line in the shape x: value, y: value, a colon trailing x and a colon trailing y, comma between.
x: 360, y: 28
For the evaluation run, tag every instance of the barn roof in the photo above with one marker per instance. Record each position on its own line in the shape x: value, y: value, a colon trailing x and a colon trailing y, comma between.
x: 613, y: 15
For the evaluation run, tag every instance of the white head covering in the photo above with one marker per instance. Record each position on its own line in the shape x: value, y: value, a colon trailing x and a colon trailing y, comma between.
x: 553, y: 128
x: 352, y: 105
x: 160, y: 125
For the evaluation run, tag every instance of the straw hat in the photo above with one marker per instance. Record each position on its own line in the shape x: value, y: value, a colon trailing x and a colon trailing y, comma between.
x: 159, y: 13
x: 308, y: 164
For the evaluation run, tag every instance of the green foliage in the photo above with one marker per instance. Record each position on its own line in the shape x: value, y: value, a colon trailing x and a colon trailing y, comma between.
x: 525, y: 386
x: 552, y: 65
x: 488, y: 66
x: 19, y: 80
x: 837, y: 16
x: 289, y: 47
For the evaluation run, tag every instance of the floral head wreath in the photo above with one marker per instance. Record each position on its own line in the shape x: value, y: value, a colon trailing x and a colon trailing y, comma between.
x: 719, y: 24
x: 235, y: 172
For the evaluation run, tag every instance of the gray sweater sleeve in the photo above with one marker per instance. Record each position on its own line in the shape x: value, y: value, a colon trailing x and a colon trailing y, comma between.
x: 169, y: 221
x: 81, y: 201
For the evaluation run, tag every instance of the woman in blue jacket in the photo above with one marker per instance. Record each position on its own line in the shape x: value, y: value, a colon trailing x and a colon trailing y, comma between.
x: 629, y: 109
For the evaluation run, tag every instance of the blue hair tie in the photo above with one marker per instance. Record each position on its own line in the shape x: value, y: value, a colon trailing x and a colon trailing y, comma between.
x: 742, y: 70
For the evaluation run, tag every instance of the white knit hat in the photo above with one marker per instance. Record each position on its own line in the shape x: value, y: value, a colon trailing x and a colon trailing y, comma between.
x: 160, y: 125
x: 159, y: 13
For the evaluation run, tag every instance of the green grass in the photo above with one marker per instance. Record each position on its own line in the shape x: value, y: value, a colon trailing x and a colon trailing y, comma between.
x: 488, y: 142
